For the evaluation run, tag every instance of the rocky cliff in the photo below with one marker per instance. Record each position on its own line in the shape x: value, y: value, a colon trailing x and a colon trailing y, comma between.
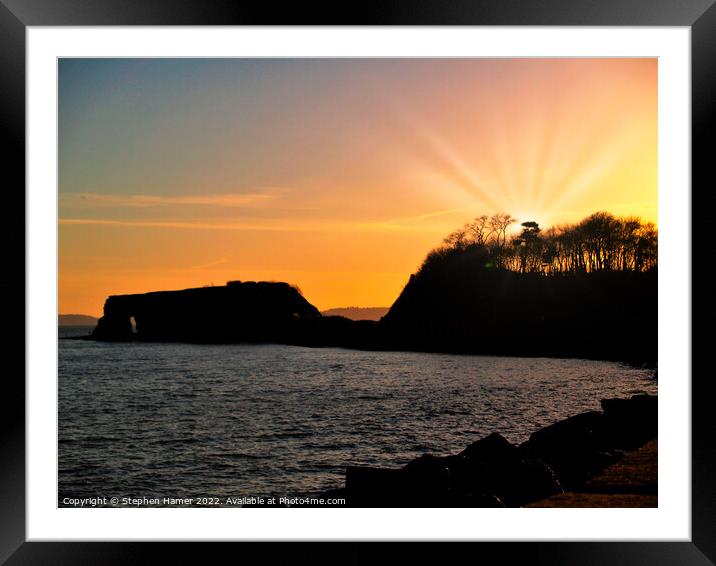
x: 458, y: 308
x: 237, y: 312
x: 469, y: 308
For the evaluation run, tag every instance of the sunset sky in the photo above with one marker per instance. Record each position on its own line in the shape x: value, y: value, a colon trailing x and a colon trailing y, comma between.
x: 336, y: 175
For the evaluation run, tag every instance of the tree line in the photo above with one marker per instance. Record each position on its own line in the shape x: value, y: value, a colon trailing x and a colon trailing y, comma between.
x: 600, y: 242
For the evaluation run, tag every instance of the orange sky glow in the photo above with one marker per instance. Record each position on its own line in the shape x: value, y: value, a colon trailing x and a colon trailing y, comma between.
x: 335, y: 175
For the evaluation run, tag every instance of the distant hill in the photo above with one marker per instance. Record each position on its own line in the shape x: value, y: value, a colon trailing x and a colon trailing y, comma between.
x: 76, y: 320
x: 358, y: 313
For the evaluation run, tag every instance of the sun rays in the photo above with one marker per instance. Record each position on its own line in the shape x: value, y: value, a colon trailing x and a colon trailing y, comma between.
x: 559, y: 159
x: 361, y: 167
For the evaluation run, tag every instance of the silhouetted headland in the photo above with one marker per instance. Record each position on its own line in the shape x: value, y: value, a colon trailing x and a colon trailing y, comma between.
x: 587, y: 290
x: 236, y: 312
x: 609, y: 315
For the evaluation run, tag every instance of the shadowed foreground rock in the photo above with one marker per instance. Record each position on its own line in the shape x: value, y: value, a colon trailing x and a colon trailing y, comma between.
x: 631, y: 482
x: 492, y: 472
x: 580, y: 446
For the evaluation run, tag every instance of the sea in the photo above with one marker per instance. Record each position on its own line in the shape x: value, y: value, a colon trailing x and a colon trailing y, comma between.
x: 141, y: 422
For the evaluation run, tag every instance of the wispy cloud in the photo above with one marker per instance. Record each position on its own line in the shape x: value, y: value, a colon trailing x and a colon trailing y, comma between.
x: 164, y: 224
x: 427, y: 215
x: 266, y: 226
x: 405, y: 222
x: 216, y: 262
x: 243, y: 200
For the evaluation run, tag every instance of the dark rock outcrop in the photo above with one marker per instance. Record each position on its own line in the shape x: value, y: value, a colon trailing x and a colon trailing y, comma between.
x: 458, y: 309
x: 463, y: 306
x: 489, y: 473
x: 629, y: 423
x: 492, y: 472
x: 578, y: 447
x: 571, y: 447
x: 237, y: 312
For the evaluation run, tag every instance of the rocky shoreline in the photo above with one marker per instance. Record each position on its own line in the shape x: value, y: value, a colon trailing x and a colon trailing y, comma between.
x: 492, y: 472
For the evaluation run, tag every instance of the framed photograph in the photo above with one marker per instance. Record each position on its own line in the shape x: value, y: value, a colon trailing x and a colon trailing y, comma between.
x: 424, y: 274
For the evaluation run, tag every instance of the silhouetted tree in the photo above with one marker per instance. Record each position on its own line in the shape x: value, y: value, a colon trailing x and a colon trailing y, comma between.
x: 480, y: 230
x: 600, y: 242
x: 528, y: 243
x: 499, y: 223
x: 457, y: 239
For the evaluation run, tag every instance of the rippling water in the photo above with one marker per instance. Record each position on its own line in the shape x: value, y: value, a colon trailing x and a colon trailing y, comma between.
x: 181, y: 420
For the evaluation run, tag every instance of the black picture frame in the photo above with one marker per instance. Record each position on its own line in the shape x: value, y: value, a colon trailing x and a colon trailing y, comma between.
x: 16, y: 15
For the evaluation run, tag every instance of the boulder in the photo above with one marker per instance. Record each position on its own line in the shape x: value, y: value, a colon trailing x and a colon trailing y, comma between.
x: 573, y: 448
x: 373, y: 487
x: 629, y: 423
x: 492, y: 448
x: 531, y: 481
x: 573, y: 434
x: 492, y: 472
x: 488, y: 473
